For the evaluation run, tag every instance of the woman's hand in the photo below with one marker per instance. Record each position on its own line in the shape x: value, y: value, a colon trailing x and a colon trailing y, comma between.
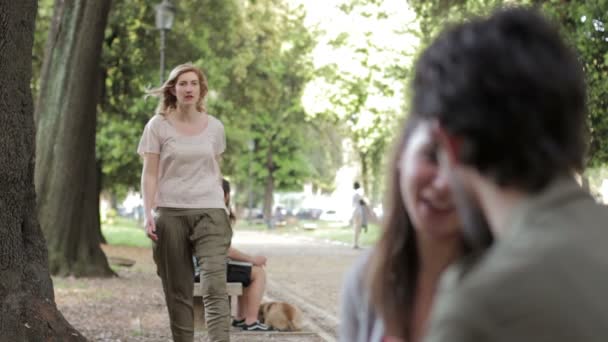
x: 151, y: 228
x: 149, y: 177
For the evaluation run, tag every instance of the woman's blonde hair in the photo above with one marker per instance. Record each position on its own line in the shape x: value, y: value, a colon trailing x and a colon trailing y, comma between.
x: 165, y: 92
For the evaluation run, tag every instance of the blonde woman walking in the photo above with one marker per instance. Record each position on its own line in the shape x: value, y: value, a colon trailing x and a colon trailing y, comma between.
x: 185, y: 214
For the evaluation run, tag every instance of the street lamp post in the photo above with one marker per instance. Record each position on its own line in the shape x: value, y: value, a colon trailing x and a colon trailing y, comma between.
x: 251, y: 147
x: 165, y: 14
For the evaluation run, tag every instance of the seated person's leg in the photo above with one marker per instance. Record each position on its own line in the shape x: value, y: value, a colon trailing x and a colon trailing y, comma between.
x: 240, y: 274
x: 252, y: 295
x: 253, y: 279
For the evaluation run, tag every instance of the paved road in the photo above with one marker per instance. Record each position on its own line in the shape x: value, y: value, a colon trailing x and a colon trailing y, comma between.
x: 132, y: 307
x: 306, y: 273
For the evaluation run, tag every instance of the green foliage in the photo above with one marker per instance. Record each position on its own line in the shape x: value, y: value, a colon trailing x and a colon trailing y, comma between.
x: 125, y: 232
x: 205, y: 33
x: 581, y: 22
x: 130, y: 65
x: 324, y: 153
x: 584, y: 25
x: 43, y: 24
x: 360, y: 93
x: 266, y: 94
x: 255, y: 55
x: 323, y: 231
x: 434, y: 15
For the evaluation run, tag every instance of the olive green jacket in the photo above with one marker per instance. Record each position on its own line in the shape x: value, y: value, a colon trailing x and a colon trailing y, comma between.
x: 546, y: 279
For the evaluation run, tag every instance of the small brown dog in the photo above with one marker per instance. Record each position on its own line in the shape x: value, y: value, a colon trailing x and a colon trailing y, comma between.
x: 281, y: 316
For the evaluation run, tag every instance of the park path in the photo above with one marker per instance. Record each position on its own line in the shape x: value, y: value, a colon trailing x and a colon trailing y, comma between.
x: 131, y: 307
x: 306, y: 273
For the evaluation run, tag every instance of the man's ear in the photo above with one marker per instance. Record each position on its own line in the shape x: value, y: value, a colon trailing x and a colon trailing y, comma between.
x: 449, y: 143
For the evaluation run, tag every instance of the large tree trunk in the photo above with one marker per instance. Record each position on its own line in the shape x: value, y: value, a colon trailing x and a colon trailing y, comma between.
x: 364, y: 173
x: 28, y: 311
x: 66, y: 176
x: 269, y: 188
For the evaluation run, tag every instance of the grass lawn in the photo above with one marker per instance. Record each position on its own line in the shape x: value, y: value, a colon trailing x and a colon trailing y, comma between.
x: 128, y: 232
x: 319, y: 230
x: 125, y: 232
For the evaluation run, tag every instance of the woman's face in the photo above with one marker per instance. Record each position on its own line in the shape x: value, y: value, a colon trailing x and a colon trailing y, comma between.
x: 188, y: 88
x: 427, y: 196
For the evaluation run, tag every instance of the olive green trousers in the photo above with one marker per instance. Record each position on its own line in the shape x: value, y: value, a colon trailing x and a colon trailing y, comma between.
x: 206, y: 234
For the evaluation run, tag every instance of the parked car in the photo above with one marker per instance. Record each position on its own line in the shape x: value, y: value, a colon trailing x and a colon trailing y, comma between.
x: 332, y: 215
x: 308, y: 213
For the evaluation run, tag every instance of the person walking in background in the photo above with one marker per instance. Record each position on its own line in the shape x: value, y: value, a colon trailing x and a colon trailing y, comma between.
x: 388, y: 294
x: 507, y: 98
x: 359, y: 217
x: 184, y: 208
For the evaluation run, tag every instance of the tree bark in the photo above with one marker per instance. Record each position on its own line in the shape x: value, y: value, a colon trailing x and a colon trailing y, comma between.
x: 66, y: 177
x: 364, y: 172
x: 269, y: 188
x: 28, y: 311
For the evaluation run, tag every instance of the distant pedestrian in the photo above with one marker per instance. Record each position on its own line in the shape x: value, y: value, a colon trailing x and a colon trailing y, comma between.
x: 359, y: 215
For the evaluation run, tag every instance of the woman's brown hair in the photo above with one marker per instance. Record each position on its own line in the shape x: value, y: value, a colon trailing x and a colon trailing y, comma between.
x: 165, y: 92
x: 393, y: 267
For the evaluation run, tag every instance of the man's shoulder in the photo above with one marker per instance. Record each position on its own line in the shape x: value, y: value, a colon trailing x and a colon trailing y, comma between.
x: 473, y: 300
x: 512, y: 281
x: 495, y: 281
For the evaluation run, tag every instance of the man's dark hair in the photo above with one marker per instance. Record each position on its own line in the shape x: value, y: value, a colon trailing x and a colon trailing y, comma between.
x: 511, y: 88
x: 225, y: 186
x: 356, y: 185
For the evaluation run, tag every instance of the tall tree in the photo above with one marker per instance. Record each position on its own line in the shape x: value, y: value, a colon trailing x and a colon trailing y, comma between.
x: 268, y: 96
x: 363, y: 96
x: 28, y: 311
x: 66, y: 111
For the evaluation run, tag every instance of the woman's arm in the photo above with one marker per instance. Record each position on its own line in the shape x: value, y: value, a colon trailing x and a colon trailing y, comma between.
x: 149, y: 180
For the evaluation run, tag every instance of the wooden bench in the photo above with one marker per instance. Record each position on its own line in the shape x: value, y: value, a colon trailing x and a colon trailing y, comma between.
x: 234, y: 290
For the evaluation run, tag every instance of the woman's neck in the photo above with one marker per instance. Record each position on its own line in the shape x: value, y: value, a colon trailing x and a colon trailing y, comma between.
x: 186, y: 112
x: 434, y: 256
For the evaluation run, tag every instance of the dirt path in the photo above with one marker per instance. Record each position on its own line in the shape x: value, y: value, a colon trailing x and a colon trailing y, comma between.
x: 131, y: 307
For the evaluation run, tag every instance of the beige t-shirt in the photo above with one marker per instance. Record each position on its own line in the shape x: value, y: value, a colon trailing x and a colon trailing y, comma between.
x: 188, y: 171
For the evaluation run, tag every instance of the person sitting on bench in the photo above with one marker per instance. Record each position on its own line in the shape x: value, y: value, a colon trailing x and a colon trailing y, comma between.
x: 249, y: 271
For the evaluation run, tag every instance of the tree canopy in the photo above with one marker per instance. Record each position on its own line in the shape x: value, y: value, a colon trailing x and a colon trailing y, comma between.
x: 268, y: 86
